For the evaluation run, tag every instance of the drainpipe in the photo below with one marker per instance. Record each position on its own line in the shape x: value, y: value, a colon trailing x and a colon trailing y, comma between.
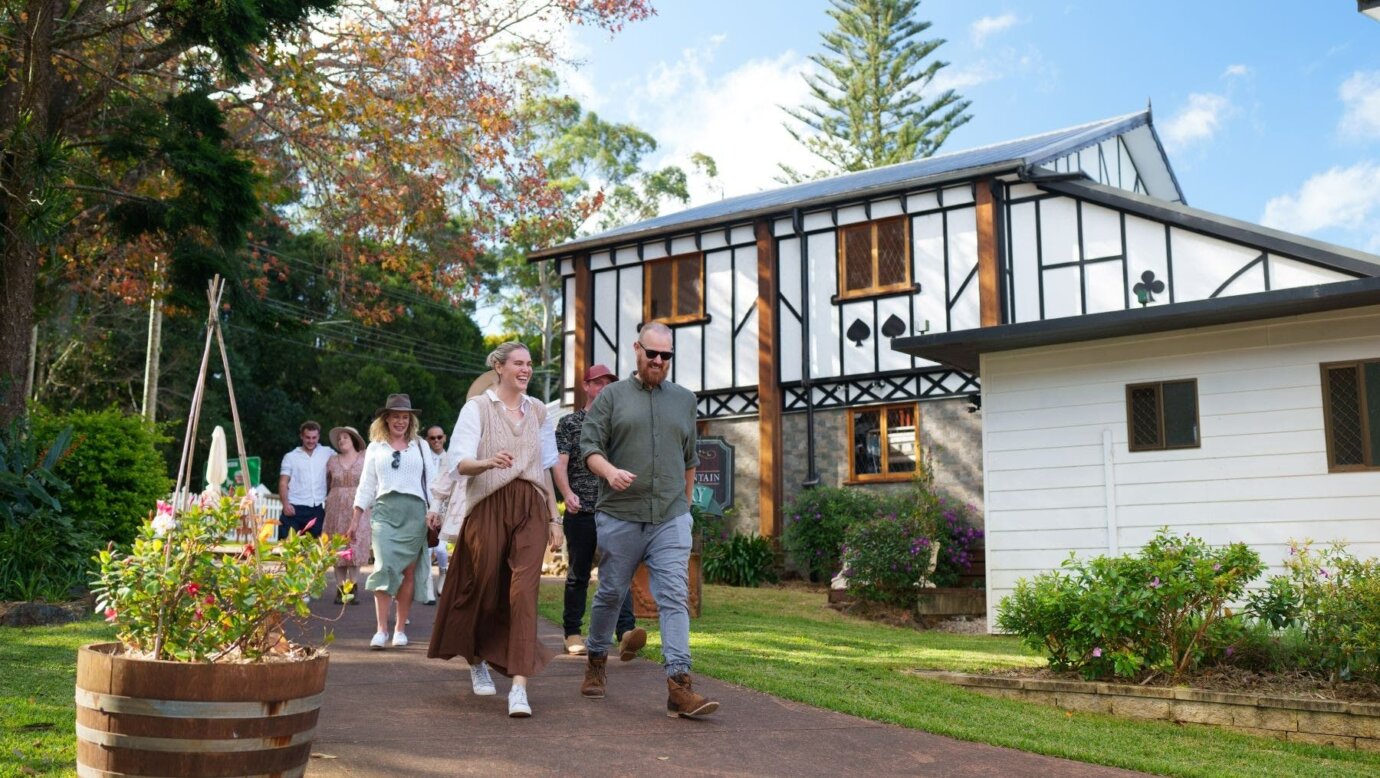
x: 811, y: 473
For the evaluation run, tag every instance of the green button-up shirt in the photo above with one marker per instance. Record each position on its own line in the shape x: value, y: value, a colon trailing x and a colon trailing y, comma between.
x: 650, y: 432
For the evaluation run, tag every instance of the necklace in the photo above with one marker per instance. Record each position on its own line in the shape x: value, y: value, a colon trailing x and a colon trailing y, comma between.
x: 511, y: 410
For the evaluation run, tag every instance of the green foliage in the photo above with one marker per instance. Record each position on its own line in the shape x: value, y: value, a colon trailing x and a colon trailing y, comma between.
x: 815, y: 522
x: 741, y: 560
x: 1335, y: 598
x: 176, y: 596
x: 1162, y: 610
x: 115, y: 468
x: 887, y: 560
x: 42, y: 554
x: 870, y: 102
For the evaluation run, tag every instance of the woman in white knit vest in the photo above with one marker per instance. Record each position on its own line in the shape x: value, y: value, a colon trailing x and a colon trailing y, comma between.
x: 488, y: 609
x: 394, y: 486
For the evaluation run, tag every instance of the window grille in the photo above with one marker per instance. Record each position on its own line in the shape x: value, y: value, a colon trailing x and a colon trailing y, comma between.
x: 874, y: 257
x: 674, y: 289
x: 1351, y: 410
x: 1162, y: 415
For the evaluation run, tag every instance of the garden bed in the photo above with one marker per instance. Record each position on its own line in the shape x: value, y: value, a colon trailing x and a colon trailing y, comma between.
x: 1286, y: 708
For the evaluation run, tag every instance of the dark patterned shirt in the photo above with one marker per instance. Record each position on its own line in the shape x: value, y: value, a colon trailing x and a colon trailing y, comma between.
x: 583, y: 483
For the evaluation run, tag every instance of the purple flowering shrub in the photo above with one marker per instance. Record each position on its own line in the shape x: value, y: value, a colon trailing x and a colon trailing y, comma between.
x: 814, y: 524
x: 887, y: 559
x: 1161, y: 610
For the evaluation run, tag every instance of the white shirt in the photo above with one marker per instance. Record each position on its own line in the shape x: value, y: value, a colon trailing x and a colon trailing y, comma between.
x: 306, y: 475
x: 436, y: 463
x: 464, y: 441
x: 380, y: 477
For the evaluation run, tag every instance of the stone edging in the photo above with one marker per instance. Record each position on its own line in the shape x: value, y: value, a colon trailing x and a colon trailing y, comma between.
x: 1353, y: 725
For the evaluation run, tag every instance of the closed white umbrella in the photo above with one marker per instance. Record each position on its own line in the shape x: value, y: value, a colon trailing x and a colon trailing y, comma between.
x: 217, y: 463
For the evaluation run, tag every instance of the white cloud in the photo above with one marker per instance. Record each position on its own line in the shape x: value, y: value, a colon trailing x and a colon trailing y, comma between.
x: 1361, y: 95
x: 990, y: 25
x: 1236, y: 71
x: 1196, y: 122
x: 1342, y: 198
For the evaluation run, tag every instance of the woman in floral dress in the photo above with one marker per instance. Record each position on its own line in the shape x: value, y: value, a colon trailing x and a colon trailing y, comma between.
x: 342, y: 478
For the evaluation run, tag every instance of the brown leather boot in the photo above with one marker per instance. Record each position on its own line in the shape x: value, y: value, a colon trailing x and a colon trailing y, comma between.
x: 682, y: 701
x: 632, y: 642
x: 596, y: 678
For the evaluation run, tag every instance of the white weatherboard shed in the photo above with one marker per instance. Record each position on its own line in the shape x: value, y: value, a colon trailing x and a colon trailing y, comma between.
x: 815, y: 323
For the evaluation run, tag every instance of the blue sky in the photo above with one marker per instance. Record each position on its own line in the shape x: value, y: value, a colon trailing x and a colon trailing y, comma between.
x: 1270, y: 110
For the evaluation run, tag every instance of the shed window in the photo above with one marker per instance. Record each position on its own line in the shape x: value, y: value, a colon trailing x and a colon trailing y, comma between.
x: 885, y: 442
x: 1351, y: 410
x: 1162, y: 415
x: 874, y: 257
x: 674, y: 289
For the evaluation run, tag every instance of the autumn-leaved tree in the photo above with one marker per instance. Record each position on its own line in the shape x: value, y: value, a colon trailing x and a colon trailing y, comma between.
x: 872, y: 102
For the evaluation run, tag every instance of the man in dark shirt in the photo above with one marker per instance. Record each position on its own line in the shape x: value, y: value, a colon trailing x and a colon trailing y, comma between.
x: 580, y: 489
x: 639, y: 437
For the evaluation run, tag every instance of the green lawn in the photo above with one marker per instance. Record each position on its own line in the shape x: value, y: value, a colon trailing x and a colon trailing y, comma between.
x: 38, y: 674
x: 787, y: 643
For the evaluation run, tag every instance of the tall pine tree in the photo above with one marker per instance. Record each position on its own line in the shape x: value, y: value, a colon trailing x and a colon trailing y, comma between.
x: 870, y: 104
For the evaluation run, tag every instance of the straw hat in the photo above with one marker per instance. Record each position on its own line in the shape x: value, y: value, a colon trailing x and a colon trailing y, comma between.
x: 397, y: 403
x: 355, y: 437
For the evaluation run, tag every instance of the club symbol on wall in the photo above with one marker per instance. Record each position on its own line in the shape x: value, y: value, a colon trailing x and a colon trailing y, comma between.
x: 1147, y: 288
x: 893, y: 327
x: 858, y: 331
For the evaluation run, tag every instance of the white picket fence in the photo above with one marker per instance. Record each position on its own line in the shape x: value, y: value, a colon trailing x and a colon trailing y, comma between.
x: 268, y: 507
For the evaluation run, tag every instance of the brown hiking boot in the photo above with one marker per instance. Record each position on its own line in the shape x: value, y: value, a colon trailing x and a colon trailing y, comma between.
x: 683, y: 702
x: 596, y: 678
x: 632, y: 642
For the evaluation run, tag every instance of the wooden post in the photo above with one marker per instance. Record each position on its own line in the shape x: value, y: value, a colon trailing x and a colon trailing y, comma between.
x: 768, y: 387
x: 989, y: 289
x: 584, y: 288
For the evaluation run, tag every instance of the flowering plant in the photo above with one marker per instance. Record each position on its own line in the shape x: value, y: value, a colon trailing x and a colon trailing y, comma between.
x: 182, y: 592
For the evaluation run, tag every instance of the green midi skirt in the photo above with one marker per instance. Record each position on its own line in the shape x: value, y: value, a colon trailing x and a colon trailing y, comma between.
x: 398, y: 522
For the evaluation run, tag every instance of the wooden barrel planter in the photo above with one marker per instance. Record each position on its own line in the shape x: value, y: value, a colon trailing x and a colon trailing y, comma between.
x: 157, y: 718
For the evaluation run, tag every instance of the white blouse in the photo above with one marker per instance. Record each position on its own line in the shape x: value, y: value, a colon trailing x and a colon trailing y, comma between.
x: 380, y: 477
x: 464, y: 441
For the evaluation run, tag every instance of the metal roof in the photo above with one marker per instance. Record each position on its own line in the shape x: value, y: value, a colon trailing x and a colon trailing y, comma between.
x: 998, y: 157
x: 961, y: 349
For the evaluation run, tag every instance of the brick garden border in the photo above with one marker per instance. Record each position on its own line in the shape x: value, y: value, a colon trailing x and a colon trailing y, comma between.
x: 1354, y: 725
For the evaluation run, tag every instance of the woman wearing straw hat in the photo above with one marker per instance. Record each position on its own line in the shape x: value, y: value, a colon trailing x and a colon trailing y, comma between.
x: 488, y: 611
x: 343, y: 472
x: 394, y: 487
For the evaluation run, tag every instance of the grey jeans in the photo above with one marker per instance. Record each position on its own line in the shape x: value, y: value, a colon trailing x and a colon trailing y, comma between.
x: 665, y: 548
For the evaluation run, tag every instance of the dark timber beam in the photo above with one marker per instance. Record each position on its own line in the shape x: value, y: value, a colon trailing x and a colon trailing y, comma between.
x: 768, y: 386
x: 584, y: 305
x: 989, y: 288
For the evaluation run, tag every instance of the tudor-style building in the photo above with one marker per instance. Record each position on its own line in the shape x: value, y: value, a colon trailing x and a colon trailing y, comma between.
x: 785, y: 302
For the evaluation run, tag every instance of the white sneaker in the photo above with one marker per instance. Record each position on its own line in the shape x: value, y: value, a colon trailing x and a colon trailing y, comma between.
x: 482, y: 682
x: 517, y: 703
x: 399, y: 640
x: 379, y: 639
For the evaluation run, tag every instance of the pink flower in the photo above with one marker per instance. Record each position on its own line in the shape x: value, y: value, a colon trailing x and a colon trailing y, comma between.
x: 310, y: 524
x: 199, y: 614
x: 164, y: 508
x: 1097, y: 653
x: 110, y: 614
x: 1323, y: 572
x: 347, y: 555
x: 1155, y: 584
x: 210, y: 599
x: 193, y: 588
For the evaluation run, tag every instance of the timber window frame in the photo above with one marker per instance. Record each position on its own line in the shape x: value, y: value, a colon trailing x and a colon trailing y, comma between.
x: 886, y: 447
x: 870, y: 261
x: 663, y: 278
x: 1351, y: 414
x: 1152, y: 424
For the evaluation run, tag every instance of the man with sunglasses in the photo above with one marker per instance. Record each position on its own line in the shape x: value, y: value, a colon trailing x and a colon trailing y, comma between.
x: 438, y: 461
x: 639, y: 437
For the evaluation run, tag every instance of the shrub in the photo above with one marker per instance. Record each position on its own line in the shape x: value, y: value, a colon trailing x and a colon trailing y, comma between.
x: 115, y: 470
x: 742, y: 560
x: 815, y: 521
x: 886, y: 559
x: 1162, y: 610
x: 1336, y: 600
x: 42, y: 555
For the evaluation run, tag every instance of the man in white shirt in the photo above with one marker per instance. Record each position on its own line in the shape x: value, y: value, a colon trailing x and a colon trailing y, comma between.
x: 438, y: 461
x: 302, y: 483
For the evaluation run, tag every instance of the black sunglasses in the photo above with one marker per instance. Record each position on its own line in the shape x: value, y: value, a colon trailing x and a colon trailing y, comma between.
x: 435, y: 437
x: 652, y: 353
x: 397, y: 459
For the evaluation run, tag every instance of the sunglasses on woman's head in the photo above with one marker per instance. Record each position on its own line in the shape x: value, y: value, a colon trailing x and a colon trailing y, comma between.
x: 397, y: 459
x: 652, y: 353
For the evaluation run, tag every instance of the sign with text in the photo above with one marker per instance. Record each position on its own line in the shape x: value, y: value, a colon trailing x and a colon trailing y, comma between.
x: 714, y: 477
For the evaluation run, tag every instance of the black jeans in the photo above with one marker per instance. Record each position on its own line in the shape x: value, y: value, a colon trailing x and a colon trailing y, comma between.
x: 303, y: 515
x: 581, y: 538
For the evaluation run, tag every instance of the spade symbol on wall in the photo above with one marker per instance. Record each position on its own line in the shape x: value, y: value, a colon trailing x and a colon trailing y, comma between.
x: 858, y: 331
x: 1148, y: 287
x: 893, y: 326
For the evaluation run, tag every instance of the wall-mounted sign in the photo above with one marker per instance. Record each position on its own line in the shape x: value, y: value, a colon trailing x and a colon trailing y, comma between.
x: 714, y: 477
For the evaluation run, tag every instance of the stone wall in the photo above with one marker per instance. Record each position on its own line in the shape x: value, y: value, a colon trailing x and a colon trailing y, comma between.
x: 743, y: 435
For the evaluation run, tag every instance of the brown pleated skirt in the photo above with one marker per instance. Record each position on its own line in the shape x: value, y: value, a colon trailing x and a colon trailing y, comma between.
x: 488, y: 608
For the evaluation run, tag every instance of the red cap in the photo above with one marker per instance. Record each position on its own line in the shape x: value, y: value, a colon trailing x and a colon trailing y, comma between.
x: 597, y: 371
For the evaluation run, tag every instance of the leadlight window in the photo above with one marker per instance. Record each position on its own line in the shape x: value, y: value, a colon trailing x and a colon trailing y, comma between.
x: 1162, y: 415
x: 1351, y: 412
x: 885, y: 442
x: 874, y: 257
x: 674, y: 289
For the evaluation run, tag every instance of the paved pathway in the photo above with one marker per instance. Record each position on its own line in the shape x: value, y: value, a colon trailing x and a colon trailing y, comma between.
x: 397, y: 713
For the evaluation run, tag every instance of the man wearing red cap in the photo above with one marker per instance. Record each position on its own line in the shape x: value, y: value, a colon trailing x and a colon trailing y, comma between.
x: 580, y: 490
